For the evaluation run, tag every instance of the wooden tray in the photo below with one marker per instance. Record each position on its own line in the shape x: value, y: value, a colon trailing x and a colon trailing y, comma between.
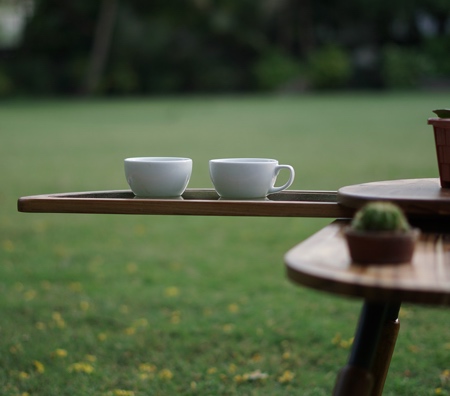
x: 204, y: 202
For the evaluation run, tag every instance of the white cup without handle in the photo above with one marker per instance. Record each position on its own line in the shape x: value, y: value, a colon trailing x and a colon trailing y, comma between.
x: 158, y: 177
x: 247, y: 178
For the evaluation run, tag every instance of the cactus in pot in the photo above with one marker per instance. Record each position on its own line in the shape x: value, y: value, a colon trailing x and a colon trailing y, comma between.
x: 380, y: 233
x: 380, y: 216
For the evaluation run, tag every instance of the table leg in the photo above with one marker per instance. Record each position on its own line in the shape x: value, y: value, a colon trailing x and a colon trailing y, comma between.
x: 386, y: 348
x: 369, y: 359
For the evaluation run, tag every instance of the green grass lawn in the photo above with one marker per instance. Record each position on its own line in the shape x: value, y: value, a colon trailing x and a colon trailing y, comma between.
x: 165, y: 305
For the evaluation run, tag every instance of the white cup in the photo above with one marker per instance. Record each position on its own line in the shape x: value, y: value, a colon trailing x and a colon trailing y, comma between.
x: 247, y: 178
x: 158, y: 177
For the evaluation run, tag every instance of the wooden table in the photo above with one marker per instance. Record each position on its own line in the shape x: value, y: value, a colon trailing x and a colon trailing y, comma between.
x: 322, y: 262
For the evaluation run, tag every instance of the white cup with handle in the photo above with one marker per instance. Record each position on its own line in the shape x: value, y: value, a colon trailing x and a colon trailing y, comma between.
x: 247, y: 178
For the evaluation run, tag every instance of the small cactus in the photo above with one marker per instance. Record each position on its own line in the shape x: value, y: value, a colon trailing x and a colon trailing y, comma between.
x: 380, y: 216
x: 442, y: 113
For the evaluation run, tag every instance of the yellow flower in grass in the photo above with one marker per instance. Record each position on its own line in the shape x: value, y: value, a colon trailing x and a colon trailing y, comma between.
x: 61, y: 251
x: 23, y: 375
x: 445, y: 376
x: 14, y: 349
x: 172, y: 291
x: 212, y: 370
x: 84, y: 305
x: 147, y: 367
x: 445, y: 379
x: 175, y: 317
x: 76, y: 287
x: 139, y: 229
x: 8, y: 246
x: 122, y: 392
x: 404, y: 313
x: 39, y: 367
x: 287, y: 376
x: 175, y: 266
x: 102, y: 337
x: 207, y: 312
x: 59, y: 353
x: 346, y: 343
x: 141, y: 322
x: 81, y: 367
x: 336, y: 339
x: 131, y: 268
x: 248, y: 377
x: 165, y: 374
x: 228, y: 328
x: 240, y: 378
x: 30, y: 295
x: 58, y: 320
x: 339, y: 341
x: 146, y: 371
x: 256, y: 358
x: 130, y: 331
x: 40, y: 325
x: 233, y: 308
x: 146, y: 376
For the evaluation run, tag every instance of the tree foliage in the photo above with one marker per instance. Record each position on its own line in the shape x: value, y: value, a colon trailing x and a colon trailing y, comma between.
x: 219, y: 45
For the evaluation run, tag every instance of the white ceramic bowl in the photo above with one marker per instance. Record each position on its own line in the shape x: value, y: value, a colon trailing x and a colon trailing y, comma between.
x: 158, y: 177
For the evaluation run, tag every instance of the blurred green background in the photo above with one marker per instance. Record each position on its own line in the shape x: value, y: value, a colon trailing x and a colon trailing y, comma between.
x: 154, y: 47
x: 162, y: 305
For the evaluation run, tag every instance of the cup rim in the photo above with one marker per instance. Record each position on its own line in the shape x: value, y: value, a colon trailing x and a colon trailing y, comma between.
x: 243, y: 160
x: 157, y: 159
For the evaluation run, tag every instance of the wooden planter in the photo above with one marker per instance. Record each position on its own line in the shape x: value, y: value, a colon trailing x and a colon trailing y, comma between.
x: 383, y: 247
x: 441, y: 127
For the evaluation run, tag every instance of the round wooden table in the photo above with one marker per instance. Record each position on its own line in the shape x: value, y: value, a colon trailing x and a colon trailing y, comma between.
x: 323, y: 262
x: 423, y: 198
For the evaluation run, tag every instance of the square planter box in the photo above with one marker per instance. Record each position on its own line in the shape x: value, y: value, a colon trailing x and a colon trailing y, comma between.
x: 441, y: 127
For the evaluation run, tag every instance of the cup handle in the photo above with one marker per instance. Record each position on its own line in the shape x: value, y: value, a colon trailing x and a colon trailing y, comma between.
x: 274, y: 189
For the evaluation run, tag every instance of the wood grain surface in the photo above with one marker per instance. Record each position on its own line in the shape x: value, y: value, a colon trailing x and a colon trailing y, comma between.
x: 417, y: 197
x: 322, y: 262
x: 196, y: 202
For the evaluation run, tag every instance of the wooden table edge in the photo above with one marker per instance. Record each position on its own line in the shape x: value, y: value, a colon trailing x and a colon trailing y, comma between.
x: 371, y: 292
x: 436, y: 205
x: 76, y: 203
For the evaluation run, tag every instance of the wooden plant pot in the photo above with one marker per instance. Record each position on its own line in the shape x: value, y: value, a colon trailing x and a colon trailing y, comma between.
x: 383, y: 247
x: 441, y: 127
